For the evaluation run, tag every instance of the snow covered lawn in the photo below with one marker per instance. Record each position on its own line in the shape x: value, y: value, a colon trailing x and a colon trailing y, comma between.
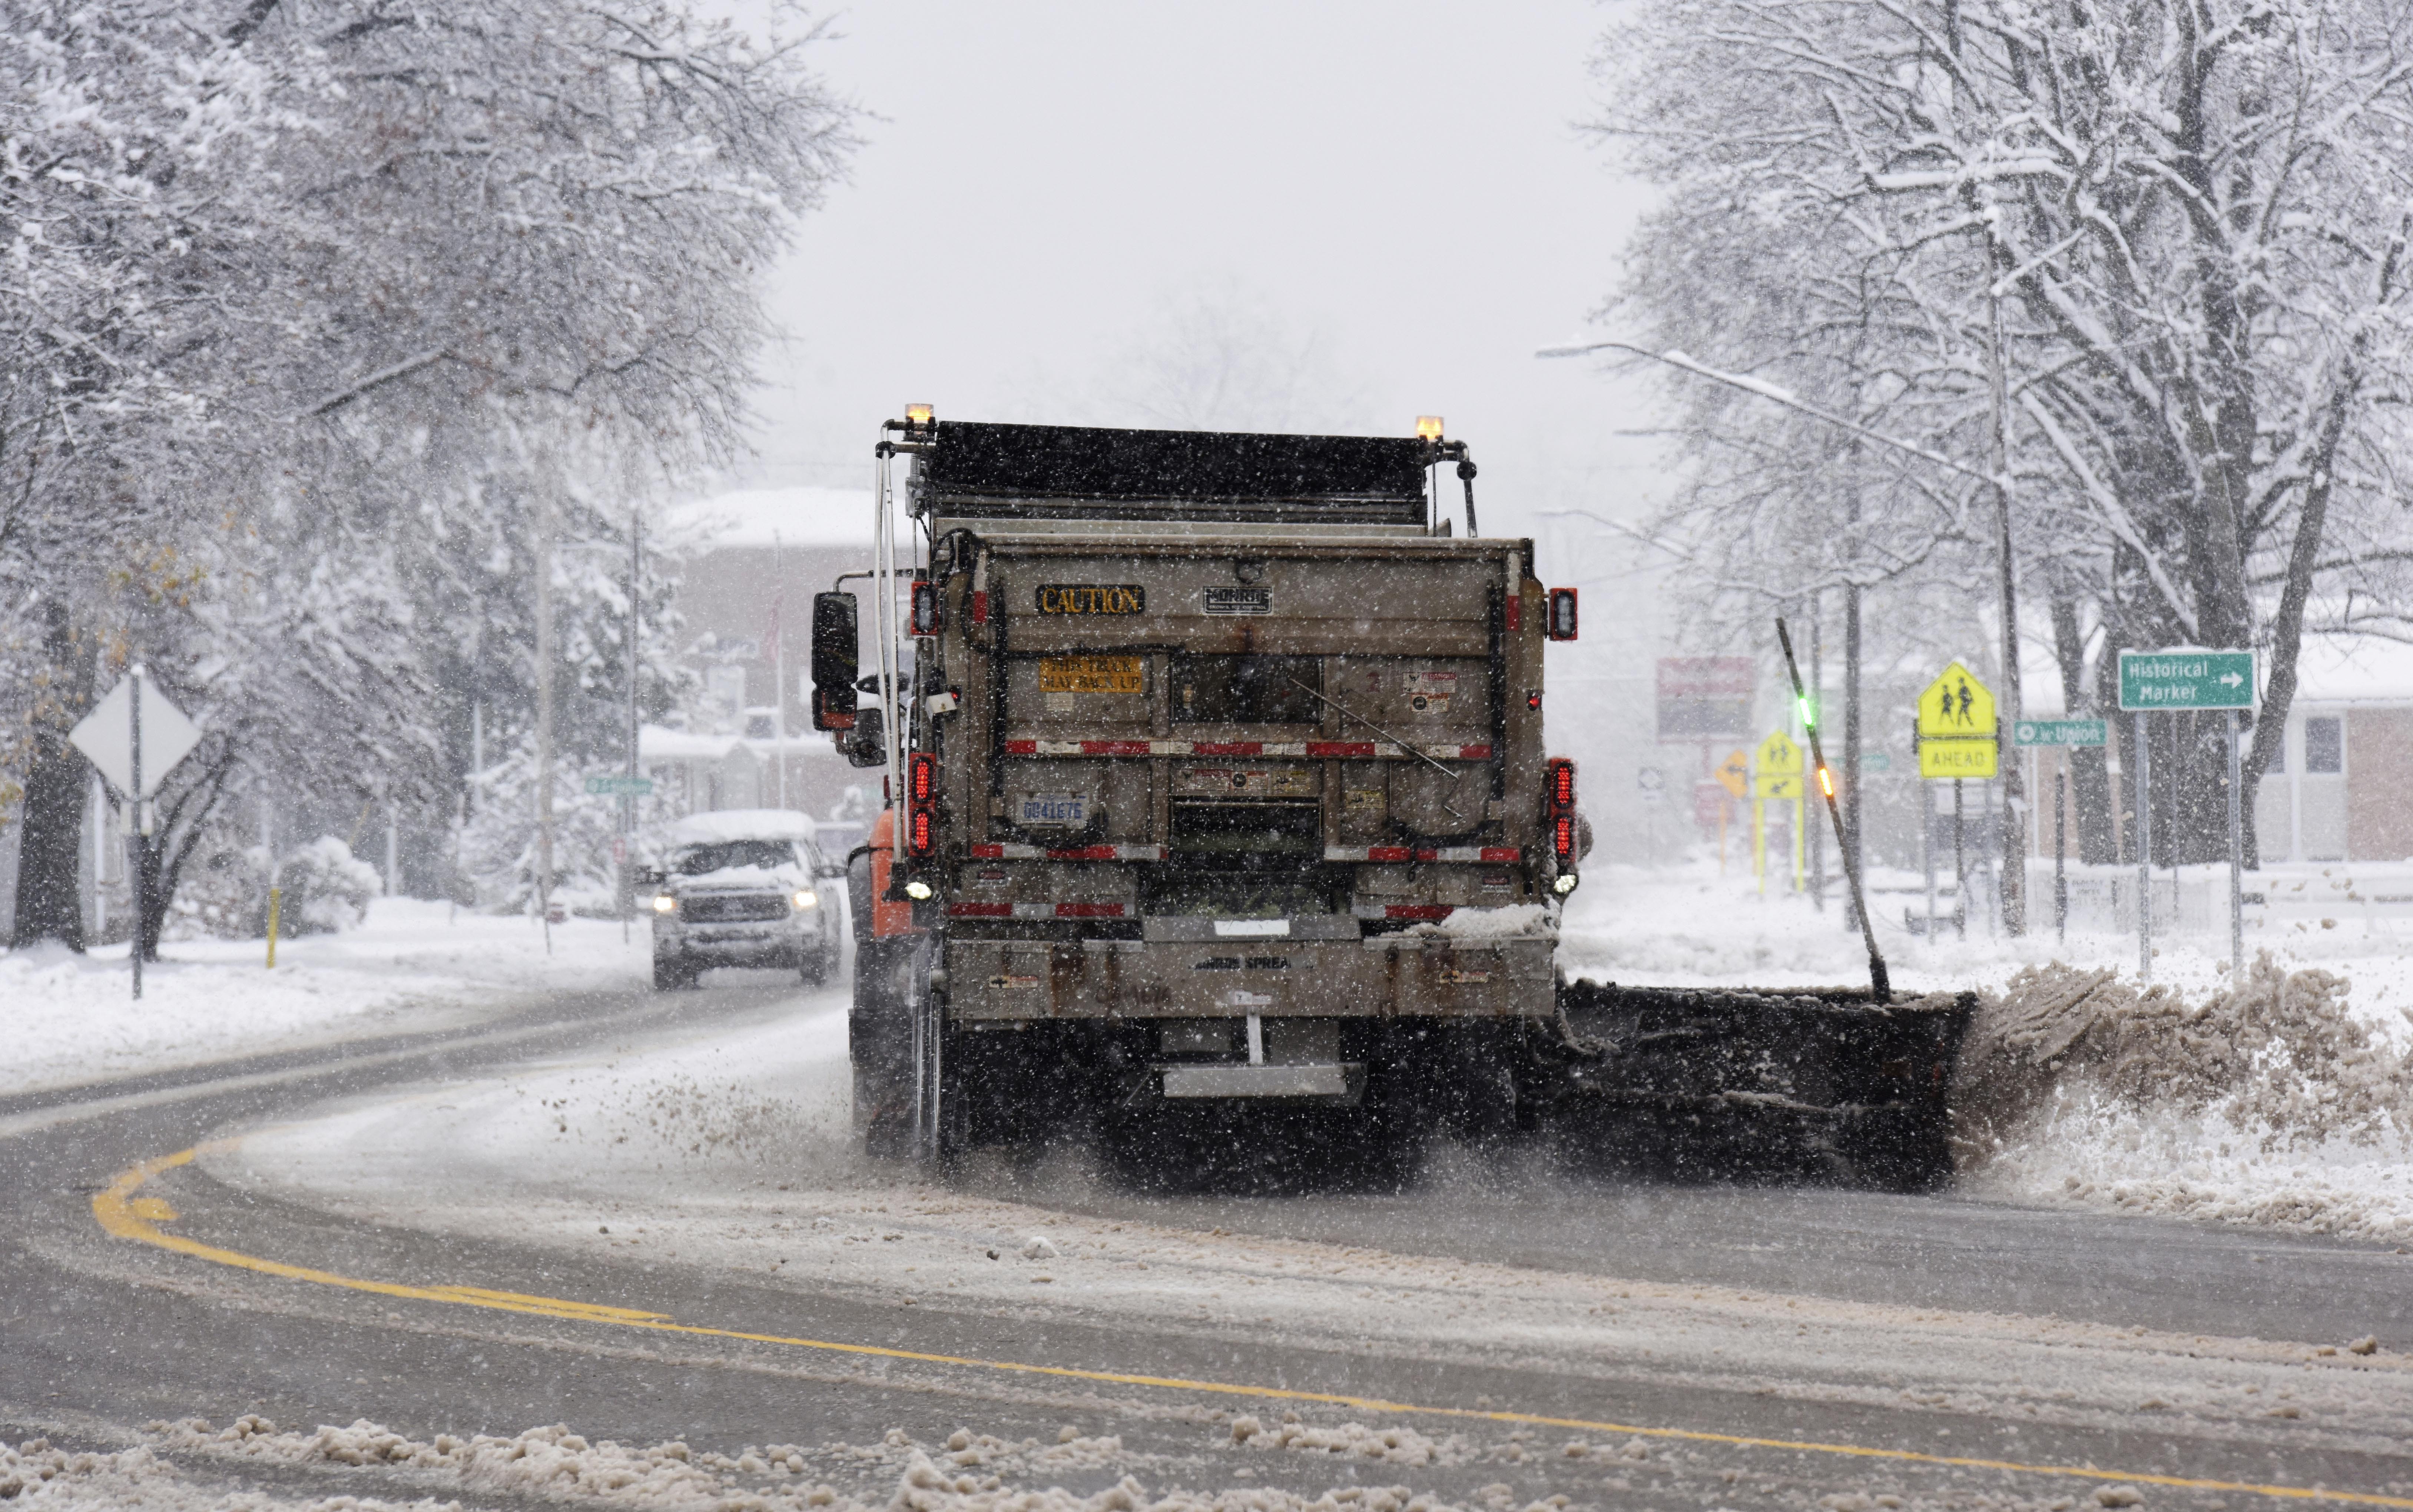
x: 68, y: 1019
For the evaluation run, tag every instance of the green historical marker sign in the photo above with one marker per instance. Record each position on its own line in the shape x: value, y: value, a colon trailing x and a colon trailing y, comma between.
x: 618, y: 786
x: 2156, y: 680
x: 2060, y: 732
x: 1876, y: 761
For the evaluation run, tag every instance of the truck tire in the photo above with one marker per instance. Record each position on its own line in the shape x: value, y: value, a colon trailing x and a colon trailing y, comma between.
x: 671, y: 973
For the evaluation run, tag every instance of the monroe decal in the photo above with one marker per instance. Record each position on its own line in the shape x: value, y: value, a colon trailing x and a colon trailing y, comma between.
x: 1092, y: 599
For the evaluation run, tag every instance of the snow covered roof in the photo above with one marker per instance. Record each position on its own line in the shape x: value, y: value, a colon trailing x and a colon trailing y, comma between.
x: 783, y: 516
x: 741, y: 825
x: 656, y: 744
x: 2338, y: 669
x: 2331, y: 669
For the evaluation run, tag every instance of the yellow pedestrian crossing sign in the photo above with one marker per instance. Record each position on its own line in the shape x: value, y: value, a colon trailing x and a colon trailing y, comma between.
x: 1780, y: 768
x: 1956, y: 707
x: 1956, y: 727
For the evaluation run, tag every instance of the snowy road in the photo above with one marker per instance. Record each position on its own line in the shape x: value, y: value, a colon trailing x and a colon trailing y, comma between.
x: 667, y: 1240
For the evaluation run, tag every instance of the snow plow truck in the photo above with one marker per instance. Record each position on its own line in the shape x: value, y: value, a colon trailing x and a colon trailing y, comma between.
x: 1220, y: 801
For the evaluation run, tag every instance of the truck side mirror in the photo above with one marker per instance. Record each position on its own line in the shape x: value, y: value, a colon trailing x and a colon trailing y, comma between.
x: 836, y: 661
x: 865, y: 743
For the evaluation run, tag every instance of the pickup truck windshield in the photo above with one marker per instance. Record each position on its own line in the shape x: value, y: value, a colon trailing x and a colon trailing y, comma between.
x: 696, y: 860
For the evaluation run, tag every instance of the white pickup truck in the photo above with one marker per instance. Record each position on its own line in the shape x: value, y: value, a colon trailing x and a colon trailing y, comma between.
x: 746, y: 887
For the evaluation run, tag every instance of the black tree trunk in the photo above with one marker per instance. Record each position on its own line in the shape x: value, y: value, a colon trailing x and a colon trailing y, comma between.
x: 52, y: 842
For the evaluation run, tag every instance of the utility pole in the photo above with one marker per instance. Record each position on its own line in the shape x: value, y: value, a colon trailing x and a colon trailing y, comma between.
x: 544, y: 707
x: 2014, y: 839
x: 1818, y: 713
x: 779, y: 672
x: 627, y: 795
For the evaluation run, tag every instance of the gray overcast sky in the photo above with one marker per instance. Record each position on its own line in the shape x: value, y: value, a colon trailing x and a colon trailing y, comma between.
x: 1395, y: 188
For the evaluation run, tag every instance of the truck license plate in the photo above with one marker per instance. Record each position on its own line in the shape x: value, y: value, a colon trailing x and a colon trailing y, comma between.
x: 1069, y: 809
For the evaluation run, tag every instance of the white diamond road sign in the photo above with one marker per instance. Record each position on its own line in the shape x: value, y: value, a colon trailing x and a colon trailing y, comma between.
x: 105, y: 739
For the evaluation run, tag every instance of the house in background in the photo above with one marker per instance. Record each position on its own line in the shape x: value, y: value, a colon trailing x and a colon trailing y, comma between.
x: 2342, y: 789
x: 754, y: 559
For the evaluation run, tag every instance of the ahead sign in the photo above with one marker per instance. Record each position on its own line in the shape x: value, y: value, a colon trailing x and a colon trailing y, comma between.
x: 2152, y: 680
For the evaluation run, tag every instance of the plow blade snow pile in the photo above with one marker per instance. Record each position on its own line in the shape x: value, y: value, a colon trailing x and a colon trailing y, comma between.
x: 1816, y: 1083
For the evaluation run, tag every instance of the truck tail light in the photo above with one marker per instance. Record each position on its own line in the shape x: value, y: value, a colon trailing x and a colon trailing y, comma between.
x: 922, y: 780
x: 921, y: 834
x: 1562, y: 838
x: 1561, y: 621
x: 925, y: 608
x: 1562, y: 785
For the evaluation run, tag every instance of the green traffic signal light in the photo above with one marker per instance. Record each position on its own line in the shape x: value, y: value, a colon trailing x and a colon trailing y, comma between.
x: 1808, y: 712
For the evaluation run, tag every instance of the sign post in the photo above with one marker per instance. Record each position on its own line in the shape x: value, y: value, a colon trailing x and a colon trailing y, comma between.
x: 2043, y: 735
x: 1958, y: 739
x: 1734, y: 775
x: 112, y: 737
x: 2177, y: 681
x: 1779, y: 780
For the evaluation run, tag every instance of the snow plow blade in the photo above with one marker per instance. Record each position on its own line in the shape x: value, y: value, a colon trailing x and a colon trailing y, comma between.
x: 1817, y: 1084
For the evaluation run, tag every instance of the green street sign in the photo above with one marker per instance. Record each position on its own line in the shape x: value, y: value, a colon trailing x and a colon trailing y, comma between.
x: 1876, y: 761
x: 2059, y: 733
x: 2150, y: 680
x: 615, y: 787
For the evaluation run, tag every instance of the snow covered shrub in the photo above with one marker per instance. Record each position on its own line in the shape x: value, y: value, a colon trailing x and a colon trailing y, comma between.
x: 223, y: 893
x: 326, y: 888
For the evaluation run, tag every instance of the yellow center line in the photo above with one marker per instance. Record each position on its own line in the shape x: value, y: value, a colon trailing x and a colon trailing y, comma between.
x: 129, y: 1217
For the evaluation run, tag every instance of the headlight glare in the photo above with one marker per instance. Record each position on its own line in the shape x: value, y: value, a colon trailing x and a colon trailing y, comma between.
x: 805, y: 898
x: 665, y: 903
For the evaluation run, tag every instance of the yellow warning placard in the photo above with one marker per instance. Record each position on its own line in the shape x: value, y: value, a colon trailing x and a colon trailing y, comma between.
x: 1093, y: 674
x: 1780, y: 768
x: 1733, y: 773
x: 1977, y: 760
x: 1956, y: 707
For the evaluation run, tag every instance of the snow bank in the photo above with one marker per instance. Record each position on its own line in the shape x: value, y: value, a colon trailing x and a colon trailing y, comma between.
x: 2270, y: 1103
x: 969, y: 1472
x: 66, y: 1019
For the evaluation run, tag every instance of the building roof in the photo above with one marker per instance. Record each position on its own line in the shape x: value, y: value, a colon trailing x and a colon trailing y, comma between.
x: 779, y: 516
x: 741, y: 825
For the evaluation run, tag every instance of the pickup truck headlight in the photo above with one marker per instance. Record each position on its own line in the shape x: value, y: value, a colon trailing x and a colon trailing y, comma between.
x: 665, y: 903
x: 805, y: 898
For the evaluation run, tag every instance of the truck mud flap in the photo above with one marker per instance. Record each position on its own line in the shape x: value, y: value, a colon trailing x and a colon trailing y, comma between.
x: 1816, y: 1084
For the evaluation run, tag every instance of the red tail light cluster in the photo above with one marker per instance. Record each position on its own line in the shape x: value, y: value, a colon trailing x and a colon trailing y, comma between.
x: 922, y: 800
x: 1559, y: 784
x: 1561, y: 623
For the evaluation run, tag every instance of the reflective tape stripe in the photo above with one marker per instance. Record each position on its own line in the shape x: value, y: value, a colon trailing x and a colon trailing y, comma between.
x: 1034, y: 910
x: 1402, y: 911
x: 1077, y: 853
x: 1401, y: 852
x: 1312, y: 749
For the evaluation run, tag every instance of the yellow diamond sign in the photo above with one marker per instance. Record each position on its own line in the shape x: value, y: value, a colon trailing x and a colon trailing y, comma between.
x: 1956, y: 727
x: 1956, y: 707
x: 1733, y: 773
x: 1780, y: 768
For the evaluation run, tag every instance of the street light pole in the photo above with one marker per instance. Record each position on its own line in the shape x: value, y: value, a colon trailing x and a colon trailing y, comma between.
x: 2014, y: 834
